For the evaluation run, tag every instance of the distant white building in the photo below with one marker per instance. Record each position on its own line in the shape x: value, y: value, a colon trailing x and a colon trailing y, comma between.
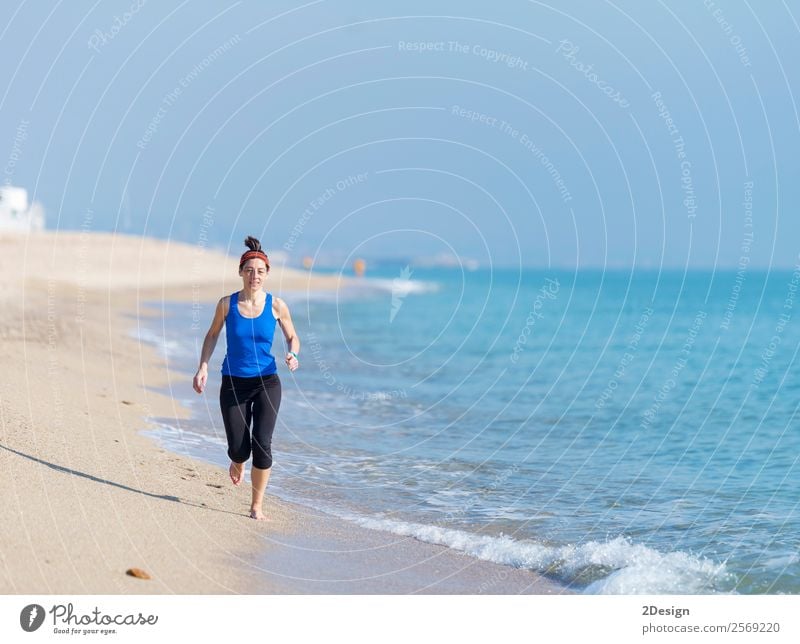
x: 15, y: 212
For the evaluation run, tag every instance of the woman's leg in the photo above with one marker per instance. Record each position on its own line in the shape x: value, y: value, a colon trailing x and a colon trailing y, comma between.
x: 258, y: 478
x: 265, y: 414
x: 236, y: 414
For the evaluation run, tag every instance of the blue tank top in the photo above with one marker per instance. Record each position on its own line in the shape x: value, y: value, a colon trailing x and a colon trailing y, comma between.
x: 249, y: 353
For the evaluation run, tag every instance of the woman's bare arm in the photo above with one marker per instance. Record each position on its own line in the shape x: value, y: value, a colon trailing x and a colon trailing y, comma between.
x: 292, y: 341
x: 209, y: 344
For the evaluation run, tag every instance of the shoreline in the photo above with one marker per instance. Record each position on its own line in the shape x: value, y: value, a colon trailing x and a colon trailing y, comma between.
x: 321, y: 552
x: 88, y: 496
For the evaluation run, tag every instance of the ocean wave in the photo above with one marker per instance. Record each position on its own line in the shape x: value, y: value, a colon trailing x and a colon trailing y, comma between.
x: 614, y: 566
x: 617, y: 566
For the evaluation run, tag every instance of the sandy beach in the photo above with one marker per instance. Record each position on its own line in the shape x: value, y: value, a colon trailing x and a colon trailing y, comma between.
x: 86, y: 496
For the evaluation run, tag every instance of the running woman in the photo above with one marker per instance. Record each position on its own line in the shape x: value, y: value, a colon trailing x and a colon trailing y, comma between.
x: 250, y: 393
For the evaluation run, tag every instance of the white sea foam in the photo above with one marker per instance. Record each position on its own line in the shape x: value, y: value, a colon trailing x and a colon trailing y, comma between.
x: 185, y: 441
x: 782, y: 561
x: 617, y: 566
x: 399, y: 286
x: 166, y: 348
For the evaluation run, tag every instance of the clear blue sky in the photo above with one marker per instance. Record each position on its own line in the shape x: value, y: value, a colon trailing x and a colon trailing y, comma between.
x: 141, y: 116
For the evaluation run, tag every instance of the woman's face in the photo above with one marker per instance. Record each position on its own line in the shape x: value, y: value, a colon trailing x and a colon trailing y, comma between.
x: 253, y: 273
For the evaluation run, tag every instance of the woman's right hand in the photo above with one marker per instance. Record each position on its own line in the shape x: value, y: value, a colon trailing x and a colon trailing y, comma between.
x: 199, y: 381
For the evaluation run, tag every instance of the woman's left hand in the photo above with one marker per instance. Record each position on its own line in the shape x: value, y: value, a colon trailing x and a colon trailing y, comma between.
x: 292, y: 362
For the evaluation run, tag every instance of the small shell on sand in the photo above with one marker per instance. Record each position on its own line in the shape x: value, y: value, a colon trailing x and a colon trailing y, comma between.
x: 137, y: 572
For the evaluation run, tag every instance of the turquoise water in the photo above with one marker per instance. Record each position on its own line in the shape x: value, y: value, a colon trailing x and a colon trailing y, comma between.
x: 620, y: 432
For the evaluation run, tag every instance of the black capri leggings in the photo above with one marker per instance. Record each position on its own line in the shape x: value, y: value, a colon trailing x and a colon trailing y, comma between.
x: 242, y: 400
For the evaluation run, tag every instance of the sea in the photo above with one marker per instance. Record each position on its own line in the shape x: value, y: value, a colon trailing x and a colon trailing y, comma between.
x: 619, y: 431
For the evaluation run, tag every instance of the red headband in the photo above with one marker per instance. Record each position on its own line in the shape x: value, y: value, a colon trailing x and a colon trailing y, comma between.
x: 250, y: 254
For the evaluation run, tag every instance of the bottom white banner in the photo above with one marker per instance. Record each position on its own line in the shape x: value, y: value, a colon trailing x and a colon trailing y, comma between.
x: 84, y: 618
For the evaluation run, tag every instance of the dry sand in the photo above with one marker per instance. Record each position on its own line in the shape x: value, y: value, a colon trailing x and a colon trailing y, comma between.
x: 87, y: 497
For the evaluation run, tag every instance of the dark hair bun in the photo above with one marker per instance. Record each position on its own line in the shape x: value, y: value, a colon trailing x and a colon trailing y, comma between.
x: 252, y: 243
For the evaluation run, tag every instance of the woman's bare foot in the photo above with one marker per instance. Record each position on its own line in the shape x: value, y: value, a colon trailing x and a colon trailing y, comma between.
x: 258, y: 515
x: 236, y: 470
